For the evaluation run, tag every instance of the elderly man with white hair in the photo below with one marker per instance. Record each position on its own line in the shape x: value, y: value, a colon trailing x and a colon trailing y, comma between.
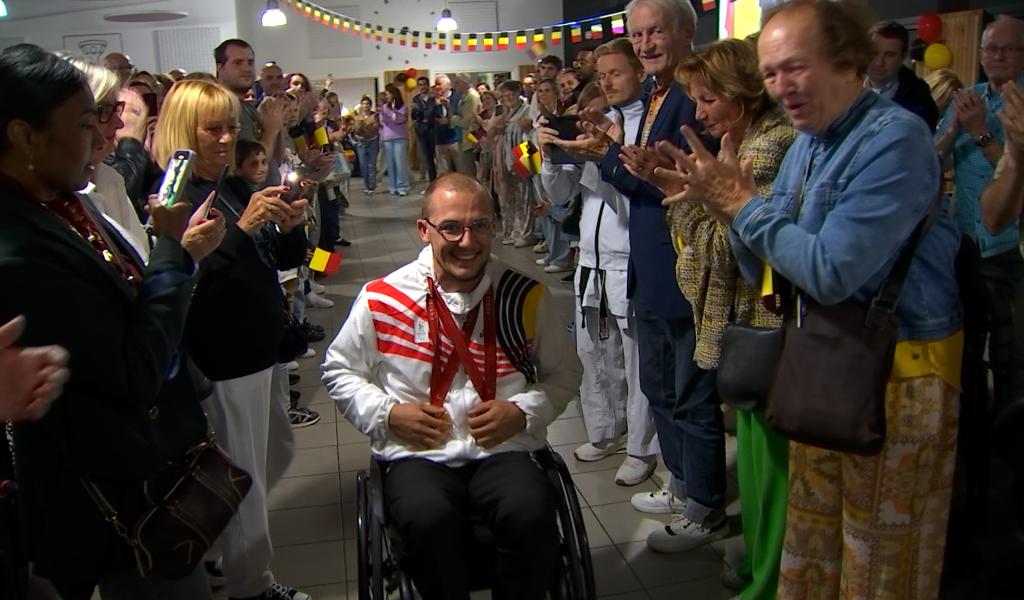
x: 972, y: 135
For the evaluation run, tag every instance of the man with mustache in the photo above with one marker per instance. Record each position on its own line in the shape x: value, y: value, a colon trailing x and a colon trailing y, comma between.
x: 456, y: 441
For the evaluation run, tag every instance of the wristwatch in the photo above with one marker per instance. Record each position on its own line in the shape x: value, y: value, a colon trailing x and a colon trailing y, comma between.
x: 984, y: 139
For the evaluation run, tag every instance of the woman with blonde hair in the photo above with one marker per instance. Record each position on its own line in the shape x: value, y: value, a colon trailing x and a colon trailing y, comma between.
x: 107, y: 188
x: 944, y: 83
x: 726, y: 85
x: 236, y: 324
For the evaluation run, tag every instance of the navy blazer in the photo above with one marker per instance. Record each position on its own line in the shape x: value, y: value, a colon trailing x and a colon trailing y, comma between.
x: 652, y: 257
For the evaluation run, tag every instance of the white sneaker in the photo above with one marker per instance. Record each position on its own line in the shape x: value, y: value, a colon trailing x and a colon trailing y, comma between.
x: 656, y: 503
x: 524, y: 242
x: 541, y: 262
x: 590, y: 453
x: 290, y: 366
x: 317, y: 301
x: 558, y: 268
x: 316, y: 287
x: 683, y: 534
x: 635, y: 470
x: 309, y: 353
x: 508, y: 242
x: 541, y: 247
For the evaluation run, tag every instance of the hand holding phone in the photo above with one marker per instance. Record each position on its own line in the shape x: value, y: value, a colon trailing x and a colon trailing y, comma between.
x: 172, y: 187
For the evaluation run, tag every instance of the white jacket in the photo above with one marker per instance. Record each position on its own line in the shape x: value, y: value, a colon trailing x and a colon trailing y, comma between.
x: 383, y: 356
x: 606, y: 247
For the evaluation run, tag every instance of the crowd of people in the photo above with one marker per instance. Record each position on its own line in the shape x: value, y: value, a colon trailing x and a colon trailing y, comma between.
x: 683, y: 192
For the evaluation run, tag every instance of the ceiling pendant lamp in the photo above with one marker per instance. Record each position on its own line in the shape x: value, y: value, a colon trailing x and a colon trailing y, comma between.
x: 446, y: 23
x: 272, y: 15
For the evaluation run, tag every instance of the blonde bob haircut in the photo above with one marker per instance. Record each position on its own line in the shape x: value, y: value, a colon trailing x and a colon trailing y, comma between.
x: 102, y: 81
x: 729, y: 69
x: 187, y: 104
x: 622, y: 47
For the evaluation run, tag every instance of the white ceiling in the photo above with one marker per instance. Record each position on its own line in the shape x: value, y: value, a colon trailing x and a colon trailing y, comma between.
x: 30, y: 9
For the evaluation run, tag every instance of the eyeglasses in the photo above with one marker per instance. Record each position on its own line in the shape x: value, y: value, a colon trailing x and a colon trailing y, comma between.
x: 991, y: 50
x: 453, y: 231
x: 105, y: 112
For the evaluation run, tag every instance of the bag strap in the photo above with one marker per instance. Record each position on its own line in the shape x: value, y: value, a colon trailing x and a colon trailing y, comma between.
x: 109, y: 513
x: 884, y: 303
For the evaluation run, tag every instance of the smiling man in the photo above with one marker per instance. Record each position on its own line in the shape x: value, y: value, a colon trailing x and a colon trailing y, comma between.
x: 454, y: 436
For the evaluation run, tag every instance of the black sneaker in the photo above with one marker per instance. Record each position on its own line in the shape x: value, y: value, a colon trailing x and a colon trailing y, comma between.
x: 301, y: 416
x: 214, y: 574
x: 279, y: 592
x: 312, y: 333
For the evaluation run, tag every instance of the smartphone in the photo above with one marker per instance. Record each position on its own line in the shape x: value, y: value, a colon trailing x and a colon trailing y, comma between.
x: 150, y: 99
x: 292, y: 179
x: 567, y: 126
x: 175, y: 176
x: 216, y: 190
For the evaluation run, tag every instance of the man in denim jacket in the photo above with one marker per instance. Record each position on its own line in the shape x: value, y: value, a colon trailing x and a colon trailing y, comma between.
x: 858, y: 180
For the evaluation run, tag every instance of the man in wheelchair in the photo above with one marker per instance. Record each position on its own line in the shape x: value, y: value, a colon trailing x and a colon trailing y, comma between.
x: 454, y: 365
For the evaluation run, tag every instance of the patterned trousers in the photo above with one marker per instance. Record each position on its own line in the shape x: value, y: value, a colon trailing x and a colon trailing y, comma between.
x: 874, y: 527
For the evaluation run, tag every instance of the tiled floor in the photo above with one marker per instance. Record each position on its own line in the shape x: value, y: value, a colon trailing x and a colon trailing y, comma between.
x: 312, y: 516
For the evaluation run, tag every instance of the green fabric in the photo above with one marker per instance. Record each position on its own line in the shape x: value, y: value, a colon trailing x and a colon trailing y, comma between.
x: 762, y: 467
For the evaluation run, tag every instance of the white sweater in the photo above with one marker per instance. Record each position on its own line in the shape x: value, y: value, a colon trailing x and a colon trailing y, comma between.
x: 383, y: 356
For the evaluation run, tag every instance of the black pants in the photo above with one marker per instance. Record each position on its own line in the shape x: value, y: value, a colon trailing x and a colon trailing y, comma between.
x: 330, y: 229
x: 1001, y: 275
x: 425, y: 141
x: 431, y: 503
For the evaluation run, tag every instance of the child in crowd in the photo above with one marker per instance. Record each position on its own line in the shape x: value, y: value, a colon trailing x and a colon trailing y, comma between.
x: 251, y: 163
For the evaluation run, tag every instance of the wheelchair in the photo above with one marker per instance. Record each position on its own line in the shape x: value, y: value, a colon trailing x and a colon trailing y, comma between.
x: 380, y: 548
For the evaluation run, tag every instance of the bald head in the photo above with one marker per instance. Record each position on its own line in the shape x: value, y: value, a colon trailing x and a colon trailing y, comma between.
x: 449, y: 187
x: 120, y: 64
x: 1002, y: 50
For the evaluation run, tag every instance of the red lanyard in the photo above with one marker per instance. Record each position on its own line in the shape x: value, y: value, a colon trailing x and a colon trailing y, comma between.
x: 69, y: 208
x: 441, y: 376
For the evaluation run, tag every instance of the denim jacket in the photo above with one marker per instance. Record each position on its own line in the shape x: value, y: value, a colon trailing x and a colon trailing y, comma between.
x: 870, y: 179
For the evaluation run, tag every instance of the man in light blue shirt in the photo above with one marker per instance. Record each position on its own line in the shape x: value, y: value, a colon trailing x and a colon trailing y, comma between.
x: 973, y: 135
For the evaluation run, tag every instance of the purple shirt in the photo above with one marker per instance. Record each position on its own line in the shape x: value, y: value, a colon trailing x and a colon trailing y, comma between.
x: 392, y: 123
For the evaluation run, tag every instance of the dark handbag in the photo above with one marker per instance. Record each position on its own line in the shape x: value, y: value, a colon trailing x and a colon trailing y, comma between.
x: 747, y: 365
x: 829, y: 389
x: 174, y: 533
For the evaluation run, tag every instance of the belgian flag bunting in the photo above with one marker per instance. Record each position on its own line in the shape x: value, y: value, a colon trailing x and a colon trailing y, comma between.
x: 415, y: 39
x: 618, y: 25
x: 367, y: 30
x: 556, y: 36
x: 442, y: 41
x: 538, y: 36
x: 576, y: 33
x: 502, y: 41
x: 346, y: 25
x: 428, y: 40
x: 488, y: 42
x: 336, y: 21
x: 596, y: 30
x: 378, y: 34
x: 456, y: 42
x: 402, y: 37
x: 471, y: 42
x: 390, y: 37
x: 520, y: 40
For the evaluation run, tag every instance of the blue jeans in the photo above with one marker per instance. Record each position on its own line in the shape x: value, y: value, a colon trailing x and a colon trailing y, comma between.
x: 367, y: 153
x: 396, y: 157
x: 685, y: 408
x: 559, y: 251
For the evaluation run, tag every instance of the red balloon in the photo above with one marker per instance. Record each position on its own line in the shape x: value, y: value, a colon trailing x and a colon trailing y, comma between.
x: 410, y: 72
x: 929, y: 28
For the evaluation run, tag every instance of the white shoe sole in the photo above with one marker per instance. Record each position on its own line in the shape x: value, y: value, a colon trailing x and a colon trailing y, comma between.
x: 636, y: 480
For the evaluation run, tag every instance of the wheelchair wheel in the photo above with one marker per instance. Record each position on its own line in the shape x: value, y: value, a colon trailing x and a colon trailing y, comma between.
x: 369, y: 544
x: 575, y: 579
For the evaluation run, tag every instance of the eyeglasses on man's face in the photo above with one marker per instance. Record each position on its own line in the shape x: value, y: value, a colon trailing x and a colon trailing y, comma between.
x: 105, y: 111
x: 453, y: 231
x: 993, y: 50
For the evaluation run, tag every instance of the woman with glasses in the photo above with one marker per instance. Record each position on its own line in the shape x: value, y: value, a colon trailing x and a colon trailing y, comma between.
x: 237, y: 322
x: 106, y: 189
x: 129, y: 409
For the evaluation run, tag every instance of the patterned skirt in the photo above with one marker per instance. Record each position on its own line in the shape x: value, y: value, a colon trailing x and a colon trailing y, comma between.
x: 863, y: 527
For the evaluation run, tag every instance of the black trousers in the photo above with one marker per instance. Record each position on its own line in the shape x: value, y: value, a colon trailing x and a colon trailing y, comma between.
x: 330, y: 228
x: 425, y: 141
x: 430, y: 504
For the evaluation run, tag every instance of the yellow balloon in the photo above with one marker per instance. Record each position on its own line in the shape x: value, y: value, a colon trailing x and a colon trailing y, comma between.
x: 937, y: 56
x: 410, y: 83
